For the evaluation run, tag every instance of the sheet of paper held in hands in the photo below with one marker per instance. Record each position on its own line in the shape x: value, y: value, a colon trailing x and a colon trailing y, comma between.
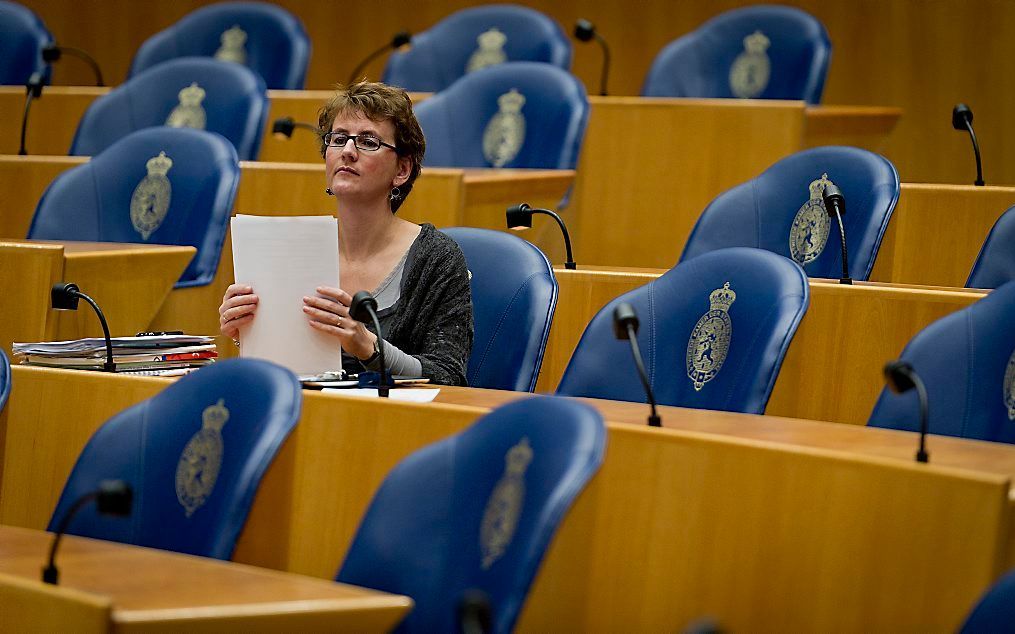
x: 284, y: 259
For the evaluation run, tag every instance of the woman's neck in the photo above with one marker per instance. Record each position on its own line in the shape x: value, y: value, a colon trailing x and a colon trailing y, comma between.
x: 362, y: 233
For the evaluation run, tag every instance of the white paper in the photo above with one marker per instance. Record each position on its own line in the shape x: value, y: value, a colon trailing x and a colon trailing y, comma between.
x: 414, y: 395
x: 284, y: 259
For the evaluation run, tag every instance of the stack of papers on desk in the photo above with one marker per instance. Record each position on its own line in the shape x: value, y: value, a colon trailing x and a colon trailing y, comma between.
x: 159, y: 352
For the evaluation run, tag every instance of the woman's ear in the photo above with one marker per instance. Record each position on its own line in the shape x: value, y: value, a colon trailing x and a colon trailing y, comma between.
x: 404, y: 169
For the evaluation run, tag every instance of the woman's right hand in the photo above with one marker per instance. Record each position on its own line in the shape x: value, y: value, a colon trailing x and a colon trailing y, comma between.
x: 237, y: 309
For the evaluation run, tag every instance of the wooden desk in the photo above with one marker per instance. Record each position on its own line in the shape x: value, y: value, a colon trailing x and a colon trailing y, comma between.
x: 762, y: 523
x: 147, y: 590
x: 128, y: 281
x: 832, y: 371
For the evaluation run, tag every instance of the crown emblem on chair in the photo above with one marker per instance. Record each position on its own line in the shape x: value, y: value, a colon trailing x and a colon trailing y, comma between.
x: 490, y: 51
x: 722, y: 298
x: 215, y: 416
x: 192, y: 95
x: 232, y: 46
x: 756, y: 43
x: 237, y: 37
x: 492, y: 39
x: 160, y: 164
x: 511, y: 101
x: 518, y: 458
x: 201, y: 459
x: 817, y: 187
x: 503, y: 508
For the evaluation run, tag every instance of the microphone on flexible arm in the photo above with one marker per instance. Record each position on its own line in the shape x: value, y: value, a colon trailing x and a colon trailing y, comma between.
x: 399, y: 40
x: 835, y: 205
x: 519, y: 217
x: 65, y: 296
x: 625, y: 326
x: 901, y: 377
x: 33, y: 90
x: 475, y: 614
x: 113, y: 497
x: 962, y: 119
x: 52, y: 53
x: 283, y: 128
x: 362, y: 307
x: 585, y: 31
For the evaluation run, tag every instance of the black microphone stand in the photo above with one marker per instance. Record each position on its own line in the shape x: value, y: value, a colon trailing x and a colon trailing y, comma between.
x: 33, y: 90
x: 64, y: 296
x: 585, y: 31
x: 520, y: 217
x: 399, y: 40
x: 113, y: 497
x: 53, y: 53
x: 962, y: 119
x: 363, y: 302
x: 625, y: 326
x: 835, y: 205
x: 901, y: 377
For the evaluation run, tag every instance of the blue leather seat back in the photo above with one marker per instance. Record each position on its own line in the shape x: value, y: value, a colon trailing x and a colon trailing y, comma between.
x: 477, y: 511
x: 5, y: 378
x: 995, y: 611
x: 703, y: 63
x: 967, y: 362
x: 229, y: 99
x: 22, y: 38
x: 514, y: 293
x: 555, y: 113
x: 273, y: 42
x: 768, y: 212
x: 995, y: 265
x: 705, y: 345
x: 93, y: 202
x: 441, y: 55
x: 194, y: 455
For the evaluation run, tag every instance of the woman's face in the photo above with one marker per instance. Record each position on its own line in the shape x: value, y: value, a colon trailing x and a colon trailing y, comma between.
x: 363, y: 175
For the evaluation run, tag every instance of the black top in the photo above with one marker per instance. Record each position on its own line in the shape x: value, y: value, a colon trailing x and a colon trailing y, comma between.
x: 432, y: 319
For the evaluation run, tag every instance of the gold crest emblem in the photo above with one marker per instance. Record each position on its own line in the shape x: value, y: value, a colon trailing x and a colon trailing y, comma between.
x: 751, y: 69
x: 188, y: 113
x: 505, y: 134
x: 500, y: 519
x: 809, y: 232
x: 150, y: 201
x: 232, y: 49
x: 1009, y: 387
x: 710, y: 340
x: 490, y: 51
x: 199, y: 464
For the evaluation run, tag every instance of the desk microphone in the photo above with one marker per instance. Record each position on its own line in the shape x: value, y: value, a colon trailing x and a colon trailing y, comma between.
x: 33, y: 90
x: 113, y: 497
x: 475, y: 615
x: 625, y: 326
x: 52, y: 53
x: 399, y: 40
x: 962, y: 119
x: 519, y: 217
x: 65, y: 296
x: 363, y: 306
x: 901, y: 377
x: 585, y: 31
x: 835, y: 205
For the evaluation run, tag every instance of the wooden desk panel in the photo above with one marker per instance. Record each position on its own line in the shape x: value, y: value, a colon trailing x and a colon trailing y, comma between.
x: 822, y: 377
x: 159, y: 591
x: 753, y: 520
x: 129, y: 282
x: 52, y: 122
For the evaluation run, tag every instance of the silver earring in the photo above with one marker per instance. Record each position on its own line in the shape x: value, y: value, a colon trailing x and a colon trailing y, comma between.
x: 328, y: 192
x: 396, y: 193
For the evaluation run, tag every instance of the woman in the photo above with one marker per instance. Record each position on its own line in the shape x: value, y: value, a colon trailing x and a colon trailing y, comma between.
x: 373, y: 148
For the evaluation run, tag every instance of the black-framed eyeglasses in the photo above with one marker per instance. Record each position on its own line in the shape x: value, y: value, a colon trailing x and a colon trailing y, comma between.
x: 365, y: 142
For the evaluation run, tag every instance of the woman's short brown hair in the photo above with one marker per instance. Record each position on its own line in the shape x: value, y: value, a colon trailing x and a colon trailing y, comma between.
x: 380, y: 102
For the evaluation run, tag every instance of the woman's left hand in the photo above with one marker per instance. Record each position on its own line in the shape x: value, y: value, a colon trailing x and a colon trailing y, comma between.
x: 330, y: 314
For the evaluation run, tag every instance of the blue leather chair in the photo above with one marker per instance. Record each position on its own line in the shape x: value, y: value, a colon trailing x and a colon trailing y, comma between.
x: 967, y: 363
x: 5, y: 378
x: 476, y: 511
x: 995, y: 265
x: 132, y: 193
x: 22, y: 38
x: 264, y: 37
x: 514, y: 293
x: 714, y: 331
x: 228, y: 99
x: 194, y: 455
x: 457, y: 45
x: 519, y: 114
x: 760, y: 52
x: 781, y: 211
x: 995, y: 611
